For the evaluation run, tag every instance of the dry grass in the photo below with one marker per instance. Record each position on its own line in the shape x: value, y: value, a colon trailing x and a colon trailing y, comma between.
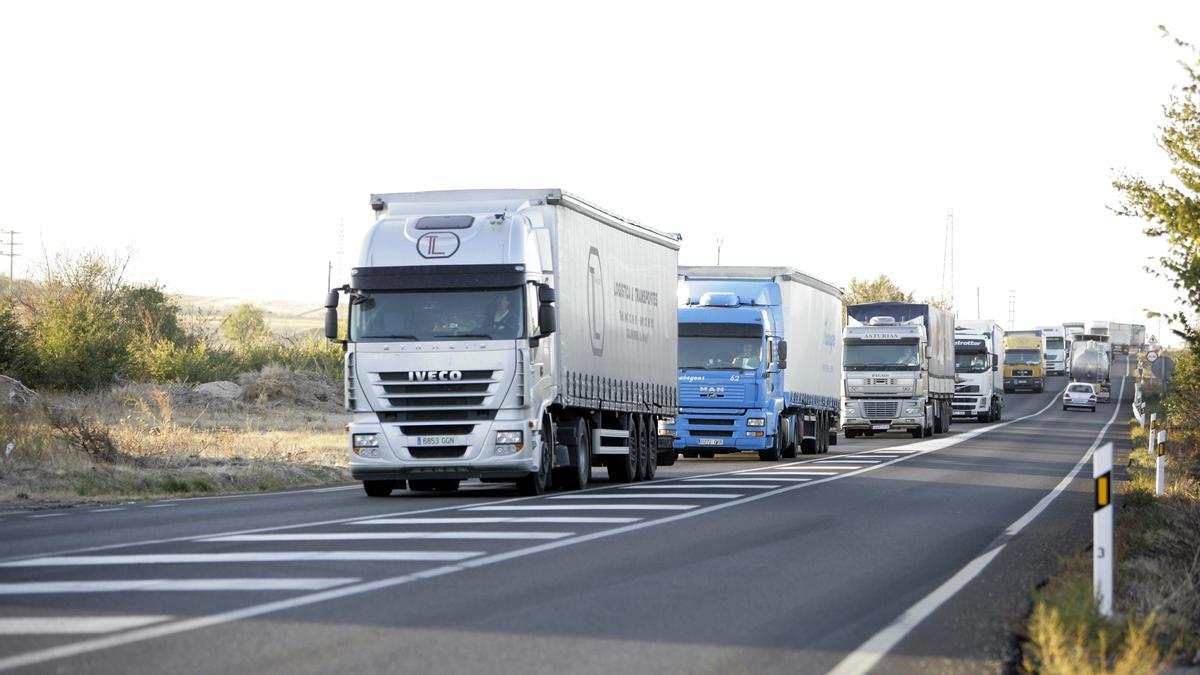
x: 147, y: 440
x: 1157, y: 576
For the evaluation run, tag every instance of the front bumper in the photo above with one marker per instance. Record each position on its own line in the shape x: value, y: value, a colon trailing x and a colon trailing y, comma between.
x: 909, y: 415
x: 393, y: 459
x: 971, y: 405
x: 721, y: 431
x: 1023, y: 382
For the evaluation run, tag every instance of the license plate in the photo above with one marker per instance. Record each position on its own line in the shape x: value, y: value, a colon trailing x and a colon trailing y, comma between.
x: 436, y: 440
x: 881, y: 427
x: 712, y: 441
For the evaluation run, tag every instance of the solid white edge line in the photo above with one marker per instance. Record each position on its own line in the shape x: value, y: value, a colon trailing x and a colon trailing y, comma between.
x: 869, y: 654
x: 175, y: 585
x: 74, y: 625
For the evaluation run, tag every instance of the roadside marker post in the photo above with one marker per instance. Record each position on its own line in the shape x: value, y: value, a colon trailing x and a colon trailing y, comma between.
x: 1160, y: 464
x: 1153, y: 438
x: 1102, y: 530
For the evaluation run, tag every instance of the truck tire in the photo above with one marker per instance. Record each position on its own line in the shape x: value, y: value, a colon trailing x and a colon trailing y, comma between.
x: 690, y: 454
x: 381, y: 488
x: 624, y: 468
x: 537, y: 482
x: 573, y: 434
x: 789, y: 444
x: 849, y: 433
x: 833, y: 434
x: 822, y: 434
x: 772, y: 453
x: 649, y: 443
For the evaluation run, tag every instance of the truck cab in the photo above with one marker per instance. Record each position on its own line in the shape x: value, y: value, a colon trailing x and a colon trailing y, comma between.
x: 978, y: 384
x: 1057, y: 358
x: 730, y: 364
x: 1024, y: 361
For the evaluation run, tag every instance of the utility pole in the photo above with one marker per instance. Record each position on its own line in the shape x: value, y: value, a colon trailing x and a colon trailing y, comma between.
x: 720, y: 243
x: 978, y: 313
x: 12, y: 256
x: 948, y: 262
x: 1012, y: 308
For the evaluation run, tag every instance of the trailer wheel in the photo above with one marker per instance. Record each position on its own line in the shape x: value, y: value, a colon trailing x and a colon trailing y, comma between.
x: 573, y: 434
x: 833, y: 434
x: 381, y: 488
x: 650, y: 440
x: 624, y: 468
x: 824, y: 437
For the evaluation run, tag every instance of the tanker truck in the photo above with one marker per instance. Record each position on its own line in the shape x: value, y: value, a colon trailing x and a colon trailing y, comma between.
x: 1090, y: 363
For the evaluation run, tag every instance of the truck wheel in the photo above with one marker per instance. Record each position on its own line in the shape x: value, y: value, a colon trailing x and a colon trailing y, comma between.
x: 998, y: 412
x: 789, y: 444
x: 573, y: 434
x: 535, y: 483
x: 849, y: 433
x: 624, y: 468
x: 381, y: 488
x: 771, y: 454
x: 822, y: 434
x: 833, y: 433
x: 649, y: 439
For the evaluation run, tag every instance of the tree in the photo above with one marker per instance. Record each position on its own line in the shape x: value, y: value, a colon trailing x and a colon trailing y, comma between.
x: 1173, y: 208
x: 882, y: 289
x: 245, y: 326
x: 16, y: 357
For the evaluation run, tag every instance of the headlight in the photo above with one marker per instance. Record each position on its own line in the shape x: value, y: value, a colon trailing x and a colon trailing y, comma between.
x: 366, y: 440
x: 912, y: 410
x: 756, y: 422
x: 666, y: 421
x: 509, y: 437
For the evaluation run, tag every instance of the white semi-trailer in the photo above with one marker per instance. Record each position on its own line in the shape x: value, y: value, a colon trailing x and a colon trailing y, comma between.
x: 506, y: 335
x: 899, y: 369
x: 978, y: 379
x: 1120, y: 336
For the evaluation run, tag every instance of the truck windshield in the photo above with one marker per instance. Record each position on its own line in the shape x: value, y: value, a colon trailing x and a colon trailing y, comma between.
x: 438, y: 315
x: 972, y: 362
x: 720, y: 353
x: 1023, y: 357
x: 881, y: 357
x: 1054, y: 343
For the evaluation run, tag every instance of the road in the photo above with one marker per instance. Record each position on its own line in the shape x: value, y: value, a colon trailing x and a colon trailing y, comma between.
x: 722, y: 565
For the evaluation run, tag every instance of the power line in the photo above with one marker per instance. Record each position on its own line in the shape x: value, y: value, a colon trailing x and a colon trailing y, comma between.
x: 12, y: 256
x: 948, y: 262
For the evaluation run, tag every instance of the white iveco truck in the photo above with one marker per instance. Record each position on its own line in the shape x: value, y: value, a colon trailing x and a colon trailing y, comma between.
x: 978, y: 379
x: 1058, y: 361
x: 506, y: 335
x: 898, y: 368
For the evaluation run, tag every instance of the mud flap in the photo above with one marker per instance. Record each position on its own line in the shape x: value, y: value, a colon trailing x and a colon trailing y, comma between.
x: 562, y: 455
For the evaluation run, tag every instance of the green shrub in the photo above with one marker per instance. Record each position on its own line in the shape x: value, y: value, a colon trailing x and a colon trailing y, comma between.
x: 80, y: 343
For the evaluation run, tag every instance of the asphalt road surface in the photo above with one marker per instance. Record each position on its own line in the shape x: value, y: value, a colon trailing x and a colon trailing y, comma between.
x: 888, y: 554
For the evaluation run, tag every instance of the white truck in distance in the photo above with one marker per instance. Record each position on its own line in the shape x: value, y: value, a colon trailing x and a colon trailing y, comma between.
x: 898, y: 369
x: 1057, y: 358
x: 978, y: 379
x: 506, y: 335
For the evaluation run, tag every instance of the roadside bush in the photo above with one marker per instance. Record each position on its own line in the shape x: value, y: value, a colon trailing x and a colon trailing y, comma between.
x: 164, y: 361
x: 16, y: 352
x: 80, y: 342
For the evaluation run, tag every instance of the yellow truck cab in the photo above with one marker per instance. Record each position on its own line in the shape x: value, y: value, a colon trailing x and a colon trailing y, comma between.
x: 1024, y: 361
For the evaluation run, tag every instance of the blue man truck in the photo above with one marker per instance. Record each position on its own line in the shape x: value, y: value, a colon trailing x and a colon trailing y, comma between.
x: 739, y: 390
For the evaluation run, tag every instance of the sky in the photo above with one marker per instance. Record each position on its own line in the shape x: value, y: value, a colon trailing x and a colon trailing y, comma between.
x: 233, y: 146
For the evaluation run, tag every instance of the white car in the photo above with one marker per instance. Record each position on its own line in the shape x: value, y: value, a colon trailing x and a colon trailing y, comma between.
x: 1080, y: 395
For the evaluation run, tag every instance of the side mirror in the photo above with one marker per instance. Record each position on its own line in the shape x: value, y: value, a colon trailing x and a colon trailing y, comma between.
x: 547, y: 319
x: 331, y: 316
x: 546, y: 295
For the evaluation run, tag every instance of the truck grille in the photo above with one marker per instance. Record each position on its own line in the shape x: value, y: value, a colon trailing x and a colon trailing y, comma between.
x: 964, y: 399
x: 1022, y: 372
x: 966, y: 389
x: 474, y: 388
x: 881, y: 409
x: 437, y: 429
x: 711, y: 433
x: 710, y: 421
x: 881, y: 380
